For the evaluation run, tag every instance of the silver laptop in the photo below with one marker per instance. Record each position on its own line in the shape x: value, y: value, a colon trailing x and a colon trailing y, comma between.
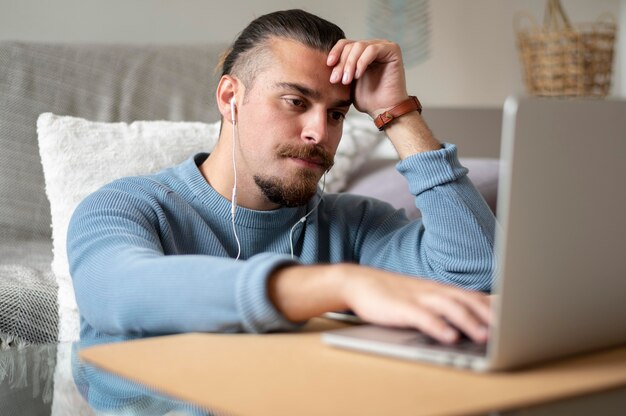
x: 561, y: 243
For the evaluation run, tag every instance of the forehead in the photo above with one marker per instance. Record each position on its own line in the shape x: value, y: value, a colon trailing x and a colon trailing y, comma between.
x: 291, y: 62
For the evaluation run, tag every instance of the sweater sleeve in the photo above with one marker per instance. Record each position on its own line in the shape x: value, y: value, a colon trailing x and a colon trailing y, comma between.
x: 125, y: 285
x: 453, y: 240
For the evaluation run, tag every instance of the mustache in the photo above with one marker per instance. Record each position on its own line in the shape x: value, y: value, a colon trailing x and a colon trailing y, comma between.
x: 315, y: 152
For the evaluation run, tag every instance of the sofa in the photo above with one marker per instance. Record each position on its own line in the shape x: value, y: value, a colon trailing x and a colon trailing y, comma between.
x: 124, y: 83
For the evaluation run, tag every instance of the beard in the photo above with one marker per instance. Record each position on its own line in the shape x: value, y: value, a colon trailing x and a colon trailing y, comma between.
x: 297, y: 190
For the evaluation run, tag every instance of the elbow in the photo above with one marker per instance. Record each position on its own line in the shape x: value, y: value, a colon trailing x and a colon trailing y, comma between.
x: 474, y: 272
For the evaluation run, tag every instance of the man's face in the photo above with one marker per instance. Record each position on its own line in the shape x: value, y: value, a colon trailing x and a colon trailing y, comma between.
x: 290, y: 123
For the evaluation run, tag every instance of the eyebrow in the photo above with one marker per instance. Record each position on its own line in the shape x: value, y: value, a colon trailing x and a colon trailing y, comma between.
x: 309, y: 92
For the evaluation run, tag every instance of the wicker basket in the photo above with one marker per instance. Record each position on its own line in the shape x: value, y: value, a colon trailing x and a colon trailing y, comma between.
x: 561, y: 59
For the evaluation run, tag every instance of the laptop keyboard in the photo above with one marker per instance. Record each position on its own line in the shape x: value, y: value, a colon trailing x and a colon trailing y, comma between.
x: 464, y: 345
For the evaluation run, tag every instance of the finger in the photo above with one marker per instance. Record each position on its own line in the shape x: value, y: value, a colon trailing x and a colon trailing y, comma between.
x: 458, y: 314
x: 335, y: 52
x: 351, y: 60
x: 433, y: 325
x: 368, y: 56
x: 337, y: 73
x: 478, y: 302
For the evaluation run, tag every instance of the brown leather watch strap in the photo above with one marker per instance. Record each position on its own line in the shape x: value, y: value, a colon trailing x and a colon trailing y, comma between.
x: 406, y: 106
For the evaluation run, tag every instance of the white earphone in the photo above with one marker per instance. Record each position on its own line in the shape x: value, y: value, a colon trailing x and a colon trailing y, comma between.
x: 233, y: 118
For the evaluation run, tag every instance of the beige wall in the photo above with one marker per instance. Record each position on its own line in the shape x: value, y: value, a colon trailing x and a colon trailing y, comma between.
x: 473, y: 58
x: 621, y: 56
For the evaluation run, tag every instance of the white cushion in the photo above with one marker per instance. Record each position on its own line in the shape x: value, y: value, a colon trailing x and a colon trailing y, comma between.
x: 80, y: 156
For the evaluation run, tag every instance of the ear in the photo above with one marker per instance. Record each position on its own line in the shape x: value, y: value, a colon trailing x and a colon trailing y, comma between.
x: 226, y: 90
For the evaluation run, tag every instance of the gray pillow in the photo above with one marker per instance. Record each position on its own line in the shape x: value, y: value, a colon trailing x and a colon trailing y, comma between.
x: 380, y: 179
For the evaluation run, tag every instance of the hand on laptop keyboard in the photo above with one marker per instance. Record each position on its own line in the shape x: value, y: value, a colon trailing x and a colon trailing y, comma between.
x: 441, y: 311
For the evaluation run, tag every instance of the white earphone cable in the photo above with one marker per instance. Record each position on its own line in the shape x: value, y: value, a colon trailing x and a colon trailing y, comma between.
x: 303, y: 219
x: 233, y: 201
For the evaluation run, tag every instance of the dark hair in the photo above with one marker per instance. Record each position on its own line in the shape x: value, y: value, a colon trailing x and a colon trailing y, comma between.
x: 298, y: 25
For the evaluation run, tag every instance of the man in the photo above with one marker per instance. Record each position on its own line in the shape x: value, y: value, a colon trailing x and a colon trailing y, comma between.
x: 204, y: 246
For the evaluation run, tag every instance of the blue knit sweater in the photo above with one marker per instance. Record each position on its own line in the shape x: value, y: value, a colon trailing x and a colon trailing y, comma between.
x: 155, y: 254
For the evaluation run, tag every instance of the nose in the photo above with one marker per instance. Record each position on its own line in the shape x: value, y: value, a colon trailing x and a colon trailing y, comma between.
x: 315, y: 127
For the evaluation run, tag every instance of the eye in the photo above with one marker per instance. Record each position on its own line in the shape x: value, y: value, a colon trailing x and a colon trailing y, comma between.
x: 337, y: 115
x: 295, y: 102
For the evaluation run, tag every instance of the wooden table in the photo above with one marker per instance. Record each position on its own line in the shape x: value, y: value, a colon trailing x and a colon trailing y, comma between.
x: 296, y: 374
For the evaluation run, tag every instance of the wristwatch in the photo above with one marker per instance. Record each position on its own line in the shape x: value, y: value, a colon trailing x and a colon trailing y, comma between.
x: 406, y: 106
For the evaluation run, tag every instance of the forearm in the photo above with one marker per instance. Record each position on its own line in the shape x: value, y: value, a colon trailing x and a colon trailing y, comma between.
x: 410, y: 134
x: 152, y: 294
x: 303, y: 292
x: 126, y: 282
x: 453, y: 240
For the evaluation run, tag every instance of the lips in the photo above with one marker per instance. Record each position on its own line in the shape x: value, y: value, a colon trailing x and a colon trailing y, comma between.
x: 309, y: 163
x: 315, y: 161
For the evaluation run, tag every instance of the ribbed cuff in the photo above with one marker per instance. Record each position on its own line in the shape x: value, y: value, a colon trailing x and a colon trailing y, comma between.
x: 258, y: 314
x: 426, y: 170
